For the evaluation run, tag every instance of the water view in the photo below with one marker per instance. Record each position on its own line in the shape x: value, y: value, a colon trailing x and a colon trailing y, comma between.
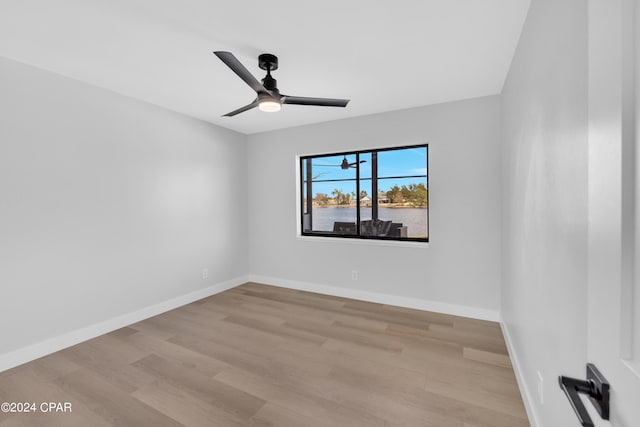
x: 415, y: 219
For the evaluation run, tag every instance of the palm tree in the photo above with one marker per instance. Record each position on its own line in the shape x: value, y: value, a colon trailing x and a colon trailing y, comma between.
x: 338, y: 196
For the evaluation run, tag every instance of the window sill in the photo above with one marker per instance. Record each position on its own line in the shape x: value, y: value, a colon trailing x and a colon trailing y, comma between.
x: 365, y: 242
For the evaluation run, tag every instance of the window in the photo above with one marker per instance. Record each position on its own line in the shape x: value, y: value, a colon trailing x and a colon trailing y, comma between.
x: 371, y: 194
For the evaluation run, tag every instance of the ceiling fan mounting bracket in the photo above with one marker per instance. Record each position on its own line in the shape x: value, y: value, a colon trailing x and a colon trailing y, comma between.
x: 268, y: 62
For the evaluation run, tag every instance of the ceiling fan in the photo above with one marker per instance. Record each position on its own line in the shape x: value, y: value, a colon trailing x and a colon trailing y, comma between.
x: 269, y: 97
x: 345, y: 164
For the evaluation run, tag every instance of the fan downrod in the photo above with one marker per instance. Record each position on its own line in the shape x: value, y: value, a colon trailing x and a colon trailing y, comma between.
x: 268, y: 62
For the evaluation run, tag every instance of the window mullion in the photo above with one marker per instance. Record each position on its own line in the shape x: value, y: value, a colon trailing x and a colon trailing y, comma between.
x: 357, y: 194
x: 374, y: 185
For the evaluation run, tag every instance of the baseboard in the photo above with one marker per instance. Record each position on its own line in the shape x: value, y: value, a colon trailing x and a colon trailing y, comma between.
x: 51, y: 345
x: 418, y: 304
x: 520, y: 378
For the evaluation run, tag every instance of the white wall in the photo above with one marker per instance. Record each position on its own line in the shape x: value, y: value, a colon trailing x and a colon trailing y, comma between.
x: 461, y: 266
x: 544, y: 292
x: 108, y: 205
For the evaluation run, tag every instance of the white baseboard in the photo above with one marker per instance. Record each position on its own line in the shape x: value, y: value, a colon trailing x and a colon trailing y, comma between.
x: 527, y: 398
x: 57, y: 343
x: 418, y: 304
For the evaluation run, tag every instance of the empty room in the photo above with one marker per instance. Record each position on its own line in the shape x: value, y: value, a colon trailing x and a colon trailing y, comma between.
x: 363, y: 213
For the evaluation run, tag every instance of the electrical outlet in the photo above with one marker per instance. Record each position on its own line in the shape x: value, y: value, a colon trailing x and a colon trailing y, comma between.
x: 354, y: 274
x: 540, y: 388
x: 205, y: 273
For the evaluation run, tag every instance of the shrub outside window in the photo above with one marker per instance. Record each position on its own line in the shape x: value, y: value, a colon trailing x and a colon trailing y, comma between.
x: 369, y: 194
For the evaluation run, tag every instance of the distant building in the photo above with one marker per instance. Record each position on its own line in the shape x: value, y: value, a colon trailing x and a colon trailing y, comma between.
x: 382, y: 197
x: 365, y: 201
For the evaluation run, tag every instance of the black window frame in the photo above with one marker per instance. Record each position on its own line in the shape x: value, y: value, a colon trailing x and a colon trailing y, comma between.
x: 307, y: 181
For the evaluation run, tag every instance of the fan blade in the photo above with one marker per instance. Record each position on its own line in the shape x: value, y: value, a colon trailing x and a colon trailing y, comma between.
x: 321, y: 102
x: 236, y: 66
x: 355, y: 163
x: 330, y: 166
x: 242, y: 109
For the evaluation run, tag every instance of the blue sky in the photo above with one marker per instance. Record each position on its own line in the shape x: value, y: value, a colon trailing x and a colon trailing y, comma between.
x: 411, y: 161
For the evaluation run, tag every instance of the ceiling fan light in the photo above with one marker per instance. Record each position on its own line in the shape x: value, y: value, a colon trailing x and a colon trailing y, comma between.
x: 270, y: 106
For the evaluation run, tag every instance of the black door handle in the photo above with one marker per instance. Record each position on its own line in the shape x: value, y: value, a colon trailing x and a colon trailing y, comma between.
x: 595, y: 386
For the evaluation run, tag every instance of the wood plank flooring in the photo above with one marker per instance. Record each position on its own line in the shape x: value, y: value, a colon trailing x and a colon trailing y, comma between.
x: 260, y: 355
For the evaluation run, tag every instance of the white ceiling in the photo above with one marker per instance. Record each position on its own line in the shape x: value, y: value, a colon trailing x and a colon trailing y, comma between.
x: 383, y: 55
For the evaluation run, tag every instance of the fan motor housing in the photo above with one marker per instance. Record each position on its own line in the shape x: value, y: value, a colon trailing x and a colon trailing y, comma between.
x: 268, y: 62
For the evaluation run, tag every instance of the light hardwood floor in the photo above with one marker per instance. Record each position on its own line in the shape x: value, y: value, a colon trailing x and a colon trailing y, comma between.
x: 260, y: 355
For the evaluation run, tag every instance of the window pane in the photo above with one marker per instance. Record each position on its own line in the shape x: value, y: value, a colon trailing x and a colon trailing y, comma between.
x: 404, y: 202
x: 334, y: 167
x: 336, y: 209
x: 403, y: 191
x: 365, y: 200
x: 365, y: 197
x: 365, y: 165
x: 304, y: 186
x: 333, y: 190
x: 403, y: 162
